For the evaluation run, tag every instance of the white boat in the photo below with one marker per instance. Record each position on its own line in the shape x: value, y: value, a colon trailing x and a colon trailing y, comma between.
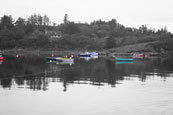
x: 94, y: 54
x: 88, y: 54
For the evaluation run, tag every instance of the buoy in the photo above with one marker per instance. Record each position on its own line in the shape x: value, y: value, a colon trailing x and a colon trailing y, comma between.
x: 17, y: 55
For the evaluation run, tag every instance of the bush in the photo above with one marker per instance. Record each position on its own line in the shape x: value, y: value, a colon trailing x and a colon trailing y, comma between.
x: 36, y: 39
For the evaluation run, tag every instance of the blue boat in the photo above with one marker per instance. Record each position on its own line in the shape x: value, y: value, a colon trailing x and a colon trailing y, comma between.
x: 124, y: 59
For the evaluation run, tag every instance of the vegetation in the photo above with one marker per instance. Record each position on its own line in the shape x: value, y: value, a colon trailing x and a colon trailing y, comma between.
x: 98, y: 35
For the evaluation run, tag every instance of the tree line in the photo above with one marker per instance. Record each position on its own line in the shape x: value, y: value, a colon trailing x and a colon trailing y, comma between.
x: 97, y: 35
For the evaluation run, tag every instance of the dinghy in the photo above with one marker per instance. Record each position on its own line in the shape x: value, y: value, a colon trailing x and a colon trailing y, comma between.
x: 124, y: 59
x: 88, y: 54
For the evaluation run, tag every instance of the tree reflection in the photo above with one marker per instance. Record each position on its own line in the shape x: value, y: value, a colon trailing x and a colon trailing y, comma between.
x: 36, y: 74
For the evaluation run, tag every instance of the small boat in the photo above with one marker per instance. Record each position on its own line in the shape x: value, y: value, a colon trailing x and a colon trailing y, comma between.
x: 140, y: 56
x: 94, y: 54
x: 88, y: 54
x: 59, y: 59
x: 124, y: 59
x: 50, y: 59
x: 63, y: 62
x: 1, y: 58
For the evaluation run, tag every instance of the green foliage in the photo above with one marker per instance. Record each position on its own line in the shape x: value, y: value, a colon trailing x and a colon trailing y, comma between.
x: 20, y: 23
x: 110, y: 43
x: 20, y: 33
x: 29, y: 28
x: 66, y: 20
x: 6, y: 22
x: 73, y: 41
x: 165, y: 45
x: 36, y: 39
x: 71, y: 28
x: 97, y: 35
x: 7, y: 39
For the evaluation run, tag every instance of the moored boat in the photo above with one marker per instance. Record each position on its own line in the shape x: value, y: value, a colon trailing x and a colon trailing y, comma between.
x: 124, y: 59
x: 59, y: 59
x: 50, y: 59
x: 140, y: 55
x: 1, y: 58
x: 94, y: 54
x: 88, y: 54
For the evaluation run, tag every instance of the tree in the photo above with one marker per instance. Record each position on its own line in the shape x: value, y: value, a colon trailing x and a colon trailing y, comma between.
x: 35, y: 39
x: 7, y: 39
x: 143, y: 29
x: 20, y: 28
x: 20, y: 23
x: 35, y: 20
x: 71, y: 28
x: 66, y: 19
x: 110, y: 43
x: 6, y: 22
x: 46, y: 20
x: 29, y: 28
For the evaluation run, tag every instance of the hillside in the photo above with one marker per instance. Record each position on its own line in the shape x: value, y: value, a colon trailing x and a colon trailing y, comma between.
x: 133, y: 48
x: 35, y: 32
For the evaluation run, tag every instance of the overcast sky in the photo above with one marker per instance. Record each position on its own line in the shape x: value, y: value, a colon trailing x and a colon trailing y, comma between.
x: 130, y: 13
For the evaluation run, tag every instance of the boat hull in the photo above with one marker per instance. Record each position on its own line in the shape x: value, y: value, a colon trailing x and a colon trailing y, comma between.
x: 88, y: 54
x: 59, y: 59
x: 124, y: 59
x: 1, y: 58
x: 52, y: 59
x: 85, y: 55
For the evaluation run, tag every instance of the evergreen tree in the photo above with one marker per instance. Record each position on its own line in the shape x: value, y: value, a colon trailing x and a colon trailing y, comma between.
x: 6, y: 22
x: 66, y: 19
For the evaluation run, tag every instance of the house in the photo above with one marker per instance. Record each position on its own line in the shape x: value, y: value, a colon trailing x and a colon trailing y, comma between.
x: 53, y: 34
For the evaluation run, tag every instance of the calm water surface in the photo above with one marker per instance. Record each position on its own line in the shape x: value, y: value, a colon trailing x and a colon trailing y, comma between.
x: 31, y: 86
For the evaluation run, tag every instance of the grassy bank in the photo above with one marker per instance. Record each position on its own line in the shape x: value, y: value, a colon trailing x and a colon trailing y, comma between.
x: 133, y: 48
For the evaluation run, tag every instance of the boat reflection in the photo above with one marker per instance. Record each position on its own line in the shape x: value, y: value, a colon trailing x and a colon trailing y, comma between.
x: 1, y: 61
x: 124, y: 62
x: 89, y: 58
x: 64, y: 62
x: 35, y: 74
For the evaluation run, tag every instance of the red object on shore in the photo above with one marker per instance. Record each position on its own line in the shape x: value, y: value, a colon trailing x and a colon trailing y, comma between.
x: 17, y: 56
x: 1, y: 58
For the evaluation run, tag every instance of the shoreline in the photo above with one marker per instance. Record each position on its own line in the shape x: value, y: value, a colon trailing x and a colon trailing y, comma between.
x: 46, y: 52
x: 64, y: 52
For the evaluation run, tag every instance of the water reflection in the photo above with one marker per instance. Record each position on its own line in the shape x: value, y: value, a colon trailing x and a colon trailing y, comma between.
x: 88, y: 58
x: 36, y: 74
x: 124, y: 62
